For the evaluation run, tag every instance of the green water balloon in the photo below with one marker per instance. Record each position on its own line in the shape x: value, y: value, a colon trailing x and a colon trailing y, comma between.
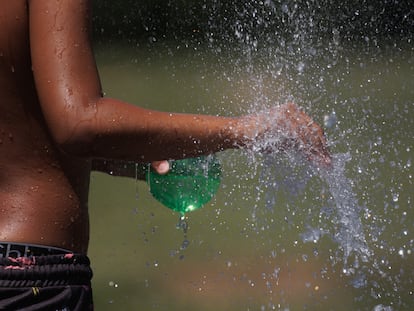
x: 189, y: 184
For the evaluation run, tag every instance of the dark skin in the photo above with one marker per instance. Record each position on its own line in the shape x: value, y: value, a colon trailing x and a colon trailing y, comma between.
x: 55, y: 125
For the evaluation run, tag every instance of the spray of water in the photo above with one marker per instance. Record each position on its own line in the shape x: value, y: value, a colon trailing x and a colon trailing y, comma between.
x: 350, y: 65
x: 310, y: 52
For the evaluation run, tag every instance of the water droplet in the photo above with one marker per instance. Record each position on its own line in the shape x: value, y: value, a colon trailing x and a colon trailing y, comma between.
x: 330, y: 120
x: 185, y: 244
x: 300, y: 67
x: 395, y: 197
x: 182, y: 224
x: 365, y: 98
x: 381, y: 307
x: 285, y: 8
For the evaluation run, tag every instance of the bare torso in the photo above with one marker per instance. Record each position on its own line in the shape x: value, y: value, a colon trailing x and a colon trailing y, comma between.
x: 43, y: 194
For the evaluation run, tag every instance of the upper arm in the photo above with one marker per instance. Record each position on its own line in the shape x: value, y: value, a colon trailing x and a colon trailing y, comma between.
x: 63, y: 64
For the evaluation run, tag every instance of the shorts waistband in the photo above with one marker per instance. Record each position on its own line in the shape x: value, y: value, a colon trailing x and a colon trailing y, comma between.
x: 16, y: 250
x: 43, y: 271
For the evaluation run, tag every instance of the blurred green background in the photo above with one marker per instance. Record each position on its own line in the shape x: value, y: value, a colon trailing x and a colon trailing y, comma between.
x: 354, y: 58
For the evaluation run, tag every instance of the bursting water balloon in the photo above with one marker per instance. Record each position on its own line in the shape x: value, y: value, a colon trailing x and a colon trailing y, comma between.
x: 288, y: 236
x: 189, y: 184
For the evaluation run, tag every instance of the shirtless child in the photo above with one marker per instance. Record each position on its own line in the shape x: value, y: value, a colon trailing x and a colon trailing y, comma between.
x: 55, y: 126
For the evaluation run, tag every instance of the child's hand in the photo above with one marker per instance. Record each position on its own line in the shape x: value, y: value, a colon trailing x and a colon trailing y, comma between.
x: 287, y: 127
x: 307, y: 136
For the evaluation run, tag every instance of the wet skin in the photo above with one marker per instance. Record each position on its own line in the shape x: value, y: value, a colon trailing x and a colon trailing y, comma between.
x: 55, y: 126
x: 41, y: 201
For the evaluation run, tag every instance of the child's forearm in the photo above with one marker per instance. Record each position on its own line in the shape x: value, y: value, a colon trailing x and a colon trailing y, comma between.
x: 125, y: 132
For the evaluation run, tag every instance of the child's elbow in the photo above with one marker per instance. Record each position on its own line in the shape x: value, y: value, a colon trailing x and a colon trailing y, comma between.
x: 74, y: 138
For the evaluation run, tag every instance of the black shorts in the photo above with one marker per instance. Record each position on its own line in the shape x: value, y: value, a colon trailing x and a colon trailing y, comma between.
x: 34, y: 277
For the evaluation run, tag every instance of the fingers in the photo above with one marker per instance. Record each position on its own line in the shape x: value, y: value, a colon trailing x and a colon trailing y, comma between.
x: 161, y: 167
x: 320, y: 156
x: 308, y: 134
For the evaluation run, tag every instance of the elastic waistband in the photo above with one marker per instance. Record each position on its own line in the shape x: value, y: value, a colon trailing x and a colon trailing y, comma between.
x: 41, y: 271
x: 16, y: 250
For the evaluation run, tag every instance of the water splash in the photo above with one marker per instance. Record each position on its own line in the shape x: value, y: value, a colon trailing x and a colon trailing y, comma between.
x: 350, y: 232
x: 291, y: 182
x: 325, y: 56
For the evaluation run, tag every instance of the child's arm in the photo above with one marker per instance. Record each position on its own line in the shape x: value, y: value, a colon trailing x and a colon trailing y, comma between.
x: 85, y: 124
x: 82, y: 122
